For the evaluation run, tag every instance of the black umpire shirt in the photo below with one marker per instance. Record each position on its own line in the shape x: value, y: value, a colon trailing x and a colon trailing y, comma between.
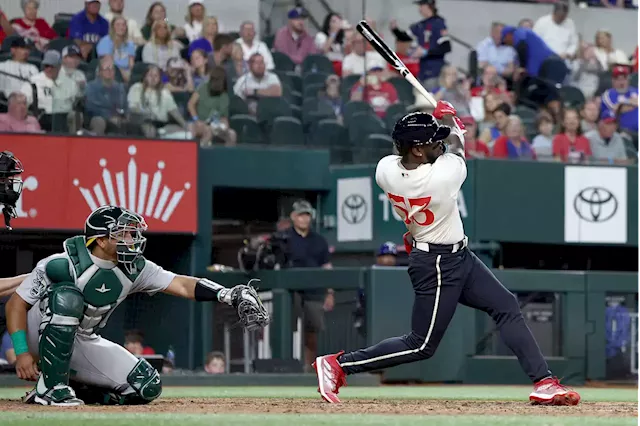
x: 311, y: 251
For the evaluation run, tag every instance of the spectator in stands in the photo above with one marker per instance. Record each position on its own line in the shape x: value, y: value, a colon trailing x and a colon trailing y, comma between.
x: 512, y: 144
x: 622, y: 99
x: 293, y: 39
x: 134, y: 343
x: 106, y: 100
x: 207, y: 36
x: 250, y: 44
x: 490, y: 82
x: 543, y: 141
x: 5, y: 26
x: 194, y: 18
x: 569, y: 144
x: 199, y: 67
x: 454, y: 90
x: 330, y: 39
x: 222, y: 47
x: 558, y: 31
x: 71, y: 57
x: 525, y: 23
x: 160, y: 48
x: 404, y: 49
x: 87, y: 27
x: 586, y: 70
x: 501, y: 116
x: 606, y: 53
x: 56, y: 96
x: 158, y: 12
x: 331, y: 96
x: 17, y: 66
x: 133, y: 30
x: 490, y: 102
x: 6, y: 349
x: 16, y: 119
x: 308, y: 249
x: 354, y: 62
x: 180, y: 78
x: 615, y: 3
x: 258, y: 81
x: 605, y: 142
x: 492, y: 52
x: 387, y: 254
x: 209, y: 109
x: 474, y: 147
x: 154, y: 105
x: 380, y: 94
x: 236, y: 66
x: 531, y: 49
x: 118, y: 45
x: 590, y: 113
x: 34, y: 28
x: 214, y: 364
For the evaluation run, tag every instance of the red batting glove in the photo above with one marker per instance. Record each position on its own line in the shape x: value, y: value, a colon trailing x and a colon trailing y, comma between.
x: 444, y: 108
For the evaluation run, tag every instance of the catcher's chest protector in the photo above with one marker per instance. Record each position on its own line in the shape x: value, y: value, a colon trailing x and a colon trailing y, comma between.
x: 103, y: 289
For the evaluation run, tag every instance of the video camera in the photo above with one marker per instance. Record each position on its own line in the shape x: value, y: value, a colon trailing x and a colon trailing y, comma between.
x: 264, y: 252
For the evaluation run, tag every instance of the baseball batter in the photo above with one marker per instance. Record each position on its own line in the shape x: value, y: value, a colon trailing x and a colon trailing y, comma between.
x: 422, y: 184
x: 56, y: 314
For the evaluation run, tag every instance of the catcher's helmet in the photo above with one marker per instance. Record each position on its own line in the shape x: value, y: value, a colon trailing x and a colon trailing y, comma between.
x: 10, y: 185
x: 119, y: 224
x: 418, y: 128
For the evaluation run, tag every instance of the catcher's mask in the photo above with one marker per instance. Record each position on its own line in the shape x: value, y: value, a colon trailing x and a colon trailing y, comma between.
x: 122, y: 226
x: 10, y: 185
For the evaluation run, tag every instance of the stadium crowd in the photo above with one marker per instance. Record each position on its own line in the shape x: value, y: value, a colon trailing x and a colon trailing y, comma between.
x: 534, y: 90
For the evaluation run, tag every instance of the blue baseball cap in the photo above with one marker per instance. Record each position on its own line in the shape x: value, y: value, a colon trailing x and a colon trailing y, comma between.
x: 506, y: 30
x: 388, y: 248
x: 608, y: 116
x: 297, y: 13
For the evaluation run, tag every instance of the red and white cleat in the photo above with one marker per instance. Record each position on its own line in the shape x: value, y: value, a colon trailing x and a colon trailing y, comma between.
x: 551, y: 392
x: 330, y: 377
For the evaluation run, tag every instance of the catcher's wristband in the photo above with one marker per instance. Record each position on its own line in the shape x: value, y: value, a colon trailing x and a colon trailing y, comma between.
x: 19, y: 339
x: 207, y: 290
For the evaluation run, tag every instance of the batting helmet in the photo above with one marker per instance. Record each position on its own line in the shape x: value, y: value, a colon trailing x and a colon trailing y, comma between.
x: 418, y: 128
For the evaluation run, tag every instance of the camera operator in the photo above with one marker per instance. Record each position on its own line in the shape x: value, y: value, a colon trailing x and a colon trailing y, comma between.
x: 308, y: 249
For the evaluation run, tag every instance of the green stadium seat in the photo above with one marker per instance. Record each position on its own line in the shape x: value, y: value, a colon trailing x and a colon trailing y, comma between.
x: 268, y: 40
x: 316, y: 78
x: 317, y: 64
x: 361, y: 125
x: 313, y: 111
x: 353, y: 107
x: 61, y: 27
x: 137, y: 72
x: 347, y: 83
x: 312, y: 90
x: 237, y: 106
x: 283, y: 62
x: 286, y: 131
x: 247, y: 129
x: 182, y: 99
x: 633, y: 81
x: 395, y: 109
x: 605, y: 83
x: 404, y: 89
x: 297, y: 111
x: 296, y: 80
x: 59, y: 44
x: 372, y: 148
x: 269, y: 108
x: 572, y: 97
x: 330, y: 133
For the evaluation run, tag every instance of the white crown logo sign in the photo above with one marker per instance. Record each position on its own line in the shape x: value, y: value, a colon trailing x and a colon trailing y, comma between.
x: 133, y: 191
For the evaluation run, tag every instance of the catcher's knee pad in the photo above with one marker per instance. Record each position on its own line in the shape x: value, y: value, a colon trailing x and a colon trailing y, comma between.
x: 63, y: 311
x: 145, y: 381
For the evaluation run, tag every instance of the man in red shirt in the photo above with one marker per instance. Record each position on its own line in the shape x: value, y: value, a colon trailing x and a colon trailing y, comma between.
x: 293, y: 39
x: 474, y: 147
x: 491, y: 82
x: 570, y: 145
x: 378, y: 93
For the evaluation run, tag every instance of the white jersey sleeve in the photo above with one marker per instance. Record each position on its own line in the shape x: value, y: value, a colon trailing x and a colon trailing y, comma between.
x: 451, y: 169
x: 152, y: 279
x: 34, y: 286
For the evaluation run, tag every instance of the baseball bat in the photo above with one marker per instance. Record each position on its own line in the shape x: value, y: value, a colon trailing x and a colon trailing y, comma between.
x: 390, y: 56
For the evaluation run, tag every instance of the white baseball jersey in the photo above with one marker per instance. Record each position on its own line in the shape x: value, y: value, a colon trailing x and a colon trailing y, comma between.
x: 426, y: 198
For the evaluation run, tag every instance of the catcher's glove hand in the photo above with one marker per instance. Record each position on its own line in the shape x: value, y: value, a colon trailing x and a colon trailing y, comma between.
x: 245, y: 299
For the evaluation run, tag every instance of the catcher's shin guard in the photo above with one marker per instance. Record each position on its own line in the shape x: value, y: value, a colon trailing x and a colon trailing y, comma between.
x: 64, y: 309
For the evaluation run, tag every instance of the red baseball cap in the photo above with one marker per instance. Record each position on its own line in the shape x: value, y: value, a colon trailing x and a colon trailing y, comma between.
x: 467, y: 120
x: 619, y: 70
x: 608, y: 116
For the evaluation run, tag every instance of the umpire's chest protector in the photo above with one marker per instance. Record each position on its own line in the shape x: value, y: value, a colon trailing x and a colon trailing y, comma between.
x: 103, y: 288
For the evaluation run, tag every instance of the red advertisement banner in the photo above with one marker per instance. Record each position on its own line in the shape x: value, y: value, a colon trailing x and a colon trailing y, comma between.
x: 66, y: 177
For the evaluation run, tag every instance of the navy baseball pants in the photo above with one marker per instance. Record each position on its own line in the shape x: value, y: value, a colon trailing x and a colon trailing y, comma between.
x: 441, y: 280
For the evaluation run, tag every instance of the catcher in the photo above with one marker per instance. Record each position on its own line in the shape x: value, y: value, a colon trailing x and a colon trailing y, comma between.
x: 55, y: 315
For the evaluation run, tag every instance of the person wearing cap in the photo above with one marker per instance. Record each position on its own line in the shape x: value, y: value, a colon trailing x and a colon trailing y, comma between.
x: 71, y: 58
x: 195, y: 17
x: 473, y: 147
x: 331, y: 97
x: 387, y: 254
x: 608, y: 55
x: 606, y: 143
x: 293, y: 39
x: 378, y: 93
x: 258, y: 81
x: 531, y: 49
x: 32, y: 27
x: 491, y: 52
x: 55, y: 95
x: 87, y: 27
x: 308, y: 249
x: 354, y: 62
x: 432, y: 40
x: 251, y: 44
x: 17, y: 119
x: 404, y: 49
x: 16, y: 70
x: 558, y: 31
x: 116, y: 8
x: 622, y: 99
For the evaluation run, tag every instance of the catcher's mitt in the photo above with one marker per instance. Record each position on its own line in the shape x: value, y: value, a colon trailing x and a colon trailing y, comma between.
x: 251, y: 311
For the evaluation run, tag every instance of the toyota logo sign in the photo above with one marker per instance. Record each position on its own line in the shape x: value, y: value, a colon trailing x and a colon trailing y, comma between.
x: 354, y: 209
x: 595, y: 204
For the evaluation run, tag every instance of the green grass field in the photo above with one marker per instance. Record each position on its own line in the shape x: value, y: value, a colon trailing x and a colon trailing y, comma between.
x: 282, y: 406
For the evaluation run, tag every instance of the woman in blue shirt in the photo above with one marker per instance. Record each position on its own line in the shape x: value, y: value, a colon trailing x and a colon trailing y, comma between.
x: 117, y: 45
